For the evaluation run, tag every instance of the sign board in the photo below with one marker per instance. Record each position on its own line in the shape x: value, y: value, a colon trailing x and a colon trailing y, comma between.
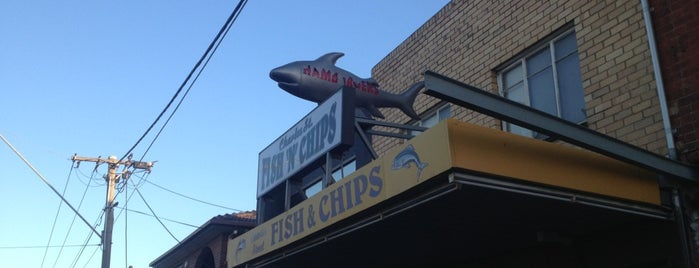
x: 323, y: 129
x: 448, y: 145
x: 420, y: 160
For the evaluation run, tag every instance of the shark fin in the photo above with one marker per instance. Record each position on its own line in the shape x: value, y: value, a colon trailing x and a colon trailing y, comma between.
x: 331, y: 57
x: 407, y: 98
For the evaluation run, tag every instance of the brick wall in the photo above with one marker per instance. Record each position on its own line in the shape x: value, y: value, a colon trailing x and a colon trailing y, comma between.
x: 466, y: 40
x: 676, y: 26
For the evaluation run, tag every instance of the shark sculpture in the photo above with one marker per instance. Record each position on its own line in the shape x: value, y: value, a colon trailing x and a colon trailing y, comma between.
x: 317, y: 80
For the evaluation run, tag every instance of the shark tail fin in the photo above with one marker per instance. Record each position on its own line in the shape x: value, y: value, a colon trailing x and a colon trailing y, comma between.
x: 407, y: 98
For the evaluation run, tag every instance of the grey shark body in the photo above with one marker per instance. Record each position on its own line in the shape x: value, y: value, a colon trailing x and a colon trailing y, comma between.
x: 317, y: 80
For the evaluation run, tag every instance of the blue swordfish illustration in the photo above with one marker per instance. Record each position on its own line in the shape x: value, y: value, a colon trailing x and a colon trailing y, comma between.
x: 318, y: 79
x: 406, y: 157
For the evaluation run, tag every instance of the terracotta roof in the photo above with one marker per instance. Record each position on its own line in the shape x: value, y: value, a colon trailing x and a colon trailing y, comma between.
x: 226, y: 223
x: 245, y: 218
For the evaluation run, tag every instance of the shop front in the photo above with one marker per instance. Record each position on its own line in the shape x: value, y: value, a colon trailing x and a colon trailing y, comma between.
x: 462, y: 194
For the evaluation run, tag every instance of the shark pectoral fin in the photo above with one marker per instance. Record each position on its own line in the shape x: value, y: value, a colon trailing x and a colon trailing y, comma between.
x: 375, y: 111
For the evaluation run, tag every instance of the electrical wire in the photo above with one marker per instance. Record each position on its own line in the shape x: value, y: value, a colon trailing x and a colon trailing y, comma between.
x: 226, y: 25
x: 47, y: 183
x: 162, y: 218
x: 55, y: 219
x: 65, y: 239
x: 217, y: 41
x: 156, y: 216
x: 48, y: 246
x: 98, y: 222
x: 192, y: 198
x: 91, y: 179
x: 90, y: 258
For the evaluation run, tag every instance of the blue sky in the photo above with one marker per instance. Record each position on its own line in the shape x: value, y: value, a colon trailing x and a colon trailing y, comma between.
x: 89, y: 77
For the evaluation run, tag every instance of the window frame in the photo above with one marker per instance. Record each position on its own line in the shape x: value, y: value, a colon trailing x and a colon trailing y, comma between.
x: 318, y: 182
x: 520, y: 60
x: 434, y: 112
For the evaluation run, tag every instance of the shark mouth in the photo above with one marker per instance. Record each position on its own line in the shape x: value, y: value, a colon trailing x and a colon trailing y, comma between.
x: 287, y: 84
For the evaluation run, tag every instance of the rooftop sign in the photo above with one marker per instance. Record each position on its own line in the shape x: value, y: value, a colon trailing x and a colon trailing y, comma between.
x: 326, y: 127
x: 317, y: 79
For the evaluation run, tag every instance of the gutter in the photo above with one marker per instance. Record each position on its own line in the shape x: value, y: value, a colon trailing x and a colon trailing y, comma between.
x: 672, y: 151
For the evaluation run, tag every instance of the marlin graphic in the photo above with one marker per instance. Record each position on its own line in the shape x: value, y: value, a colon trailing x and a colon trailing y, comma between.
x: 317, y: 80
x: 406, y: 157
x: 242, y: 244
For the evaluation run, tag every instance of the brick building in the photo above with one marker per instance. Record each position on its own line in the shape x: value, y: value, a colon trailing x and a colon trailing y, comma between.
x: 207, y: 246
x: 478, y: 191
x: 676, y: 26
x: 476, y: 42
x: 621, y: 94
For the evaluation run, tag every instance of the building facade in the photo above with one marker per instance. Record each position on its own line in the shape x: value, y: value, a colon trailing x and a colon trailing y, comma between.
x: 476, y: 42
x: 478, y: 191
x: 632, y: 76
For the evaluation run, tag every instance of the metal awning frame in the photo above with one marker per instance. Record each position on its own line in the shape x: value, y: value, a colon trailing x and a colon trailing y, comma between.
x: 481, y: 101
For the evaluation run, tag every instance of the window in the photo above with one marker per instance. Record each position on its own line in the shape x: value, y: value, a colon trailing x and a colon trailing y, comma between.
x: 338, y: 174
x: 314, y: 188
x: 431, y: 119
x: 548, y: 80
x: 341, y: 172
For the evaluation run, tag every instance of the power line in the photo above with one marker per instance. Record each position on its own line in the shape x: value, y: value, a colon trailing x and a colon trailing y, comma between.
x: 217, y: 41
x: 90, y: 258
x: 166, y: 219
x: 48, y: 183
x: 226, y: 25
x: 47, y: 246
x: 89, y: 236
x: 192, y: 198
x: 156, y: 216
x: 65, y: 239
x: 55, y: 219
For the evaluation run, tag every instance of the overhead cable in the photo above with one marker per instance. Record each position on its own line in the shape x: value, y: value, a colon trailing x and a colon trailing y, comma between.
x: 156, y: 216
x: 166, y: 219
x: 65, y: 239
x: 55, y: 219
x: 191, y: 198
x: 98, y: 221
x: 49, y: 184
x: 47, y: 246
x: 226, y: 25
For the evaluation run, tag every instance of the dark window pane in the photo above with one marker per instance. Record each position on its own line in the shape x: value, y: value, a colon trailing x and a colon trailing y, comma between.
x: 542, y: 92
x: 565, y: 46
x: 538, y: 61
x: 518, y: 94
x: 571, y: 91
x: 513, y: 76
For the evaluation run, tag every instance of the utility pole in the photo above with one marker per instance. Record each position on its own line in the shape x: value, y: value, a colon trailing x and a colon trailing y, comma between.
x: 112, y: 179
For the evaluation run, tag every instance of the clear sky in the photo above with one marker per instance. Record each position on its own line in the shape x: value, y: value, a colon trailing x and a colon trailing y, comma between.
x: 89, y: 77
